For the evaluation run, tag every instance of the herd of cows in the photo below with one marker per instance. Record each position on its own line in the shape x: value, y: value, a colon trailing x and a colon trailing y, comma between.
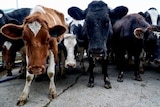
x: 45, y: 38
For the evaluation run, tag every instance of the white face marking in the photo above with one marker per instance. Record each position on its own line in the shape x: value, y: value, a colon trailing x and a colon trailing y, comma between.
x: 1, y: 15
x: 154, y: 16
x: 51, y: 66
x: 156, y: 33
x: 69, y: 43
x: 7, y: 44
x: 35, y: 27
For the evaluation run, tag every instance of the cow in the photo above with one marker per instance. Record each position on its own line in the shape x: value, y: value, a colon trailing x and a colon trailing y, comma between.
x: 8, y: 46
x: 129, y: 34
x: 152, y: 16
x: 67, y: 54
x: 41, y: 30
x: 95, y: 33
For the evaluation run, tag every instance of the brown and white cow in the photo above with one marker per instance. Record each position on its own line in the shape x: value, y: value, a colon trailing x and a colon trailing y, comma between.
x: 41, y: 30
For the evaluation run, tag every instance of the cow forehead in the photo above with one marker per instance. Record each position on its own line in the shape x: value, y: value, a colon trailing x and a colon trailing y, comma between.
x: 153, y: 12
x: 35, y: 27
x: 7, y: 44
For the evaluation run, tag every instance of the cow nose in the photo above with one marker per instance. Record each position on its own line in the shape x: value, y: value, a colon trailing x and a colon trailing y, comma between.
x: 37, y: 70
x: 71, y: 65
x: 96, y: 51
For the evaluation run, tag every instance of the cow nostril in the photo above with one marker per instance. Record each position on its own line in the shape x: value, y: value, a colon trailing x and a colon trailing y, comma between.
x: 36, y: 69
x: 96, y: 51
x: 71, y: 65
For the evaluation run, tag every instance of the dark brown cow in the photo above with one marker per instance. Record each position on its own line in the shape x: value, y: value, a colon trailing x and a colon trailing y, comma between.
x: 39, y: 31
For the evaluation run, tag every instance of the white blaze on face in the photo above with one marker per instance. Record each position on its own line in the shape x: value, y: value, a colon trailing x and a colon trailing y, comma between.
x: 7, y: 44
x: 154, y: 16
x: 69, y: 43
x: 35, y: 27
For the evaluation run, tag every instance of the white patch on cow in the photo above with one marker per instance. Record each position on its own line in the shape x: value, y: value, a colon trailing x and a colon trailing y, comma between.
x: 69, y: 43
x: 38, y: 8
x: 29, y: 77
x: 154, y: 16
x: 35, y: 27
x: 7, y: 44
x: 157, y: 34
x: 1, y: 15
x: 51, y: 73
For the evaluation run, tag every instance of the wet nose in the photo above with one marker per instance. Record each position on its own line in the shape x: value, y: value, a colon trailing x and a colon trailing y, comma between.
x: 36, y: 69
x: 96, y: 51
x: 71, y: 65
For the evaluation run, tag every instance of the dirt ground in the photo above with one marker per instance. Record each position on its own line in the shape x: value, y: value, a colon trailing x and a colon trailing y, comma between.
x: 73, y: 91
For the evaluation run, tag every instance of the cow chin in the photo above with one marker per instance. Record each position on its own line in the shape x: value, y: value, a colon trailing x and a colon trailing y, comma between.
x: 36, y: 70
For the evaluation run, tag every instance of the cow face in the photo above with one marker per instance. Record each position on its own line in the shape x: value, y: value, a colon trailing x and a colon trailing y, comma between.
x: 70, y: 44
x: 151, y: 41
x: 38, y: 40
x: 152, y: 16
x: 97, y: 27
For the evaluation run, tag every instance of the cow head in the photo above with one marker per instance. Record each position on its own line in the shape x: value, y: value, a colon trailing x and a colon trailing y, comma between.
x: 38, y: 37
x: 70, y: 46
x: 97, y: 27
x: 150, y: 36
x: 151, y: 16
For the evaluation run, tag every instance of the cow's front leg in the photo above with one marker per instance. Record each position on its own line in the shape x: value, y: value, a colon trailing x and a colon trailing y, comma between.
x: 51, y: 74
x: 25, y: 93
x: 107, y: 83
x: 136, y: 68
x: 90, y: 70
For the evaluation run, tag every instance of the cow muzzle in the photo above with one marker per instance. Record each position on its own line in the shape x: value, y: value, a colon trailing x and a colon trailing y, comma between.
x: 96, y: 52
x: 37, y: 70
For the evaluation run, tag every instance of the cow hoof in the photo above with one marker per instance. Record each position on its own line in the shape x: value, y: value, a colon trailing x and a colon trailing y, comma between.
x: 107, y: 86
x: 52, y: 96
x: 120, y: 79
x: 21, y: 102
x: 9, y: 74
x: 138, y: 78
x: 90, y: 85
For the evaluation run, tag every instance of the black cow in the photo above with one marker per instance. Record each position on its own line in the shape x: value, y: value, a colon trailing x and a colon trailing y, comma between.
x: 129, y: 35
x: 8, y: 46
x: 152, y: 46
x: 96, y: 32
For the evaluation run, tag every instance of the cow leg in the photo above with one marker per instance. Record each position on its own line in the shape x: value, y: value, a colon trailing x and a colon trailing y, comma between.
x: 51, y: 74
x: 81, y: 54
x: 136, y: 67
x: 120, y: 58
x: 25, y: 93
x: 90, y: 70
x: 9, y: 72
x: 107, y: 83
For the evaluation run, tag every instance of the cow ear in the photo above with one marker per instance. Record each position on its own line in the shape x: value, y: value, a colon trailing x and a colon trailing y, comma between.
x: 76, y: 13
x: 118, y: 12
x: 57, y: 30
x: 12, y: 31
x: 139, y: 33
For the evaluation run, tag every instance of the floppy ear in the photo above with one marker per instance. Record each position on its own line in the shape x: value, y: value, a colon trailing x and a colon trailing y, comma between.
x: 139, y: 33
x: 57, y: 30
x: 118, y: 12
x: 12, y: 31
x: 76, y: 13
